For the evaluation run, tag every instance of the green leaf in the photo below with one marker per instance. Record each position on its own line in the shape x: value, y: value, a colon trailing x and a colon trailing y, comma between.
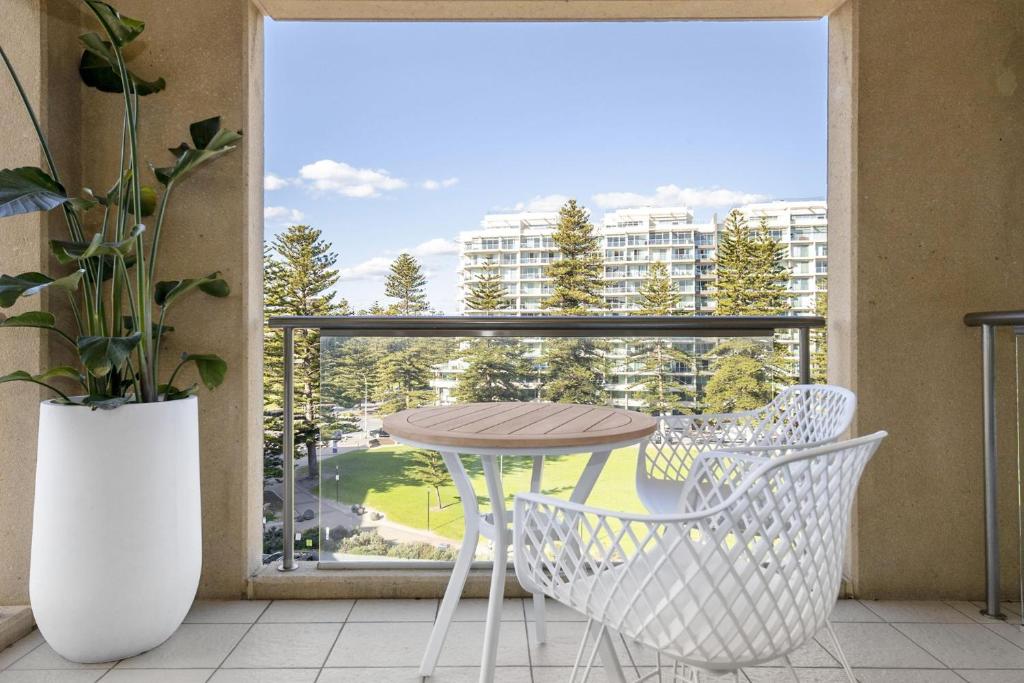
x: 167, y: 291
x: 63, y: 372
x: 98, y: 69
x: 22, y: 376
x: 27, y: 284
x: 173, y: 393
x: 100, y: 355
x: 129, y: 324
x: 82, y: 204
x: 123, y: 29
x: 104, y: 402
x: 212, y: 368
x: 68, y: 251
x: 210, y: 140
x: 28, y: 189
x: 41, y: 319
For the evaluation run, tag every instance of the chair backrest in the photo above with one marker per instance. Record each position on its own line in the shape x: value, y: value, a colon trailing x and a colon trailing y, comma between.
x: 750, y: 577
x: 800, y: 414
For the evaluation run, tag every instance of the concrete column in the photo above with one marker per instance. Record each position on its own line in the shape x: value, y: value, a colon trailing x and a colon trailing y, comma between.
x: 211, y: 55
x: 926, y: 203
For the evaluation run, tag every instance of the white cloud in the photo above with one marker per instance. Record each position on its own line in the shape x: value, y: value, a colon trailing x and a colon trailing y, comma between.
x: 282, y: 214
x: 328, y: 175
x: 436, y: 247
x: 547, y: 202
x: 373, y: 269
x: 438, y: 184
x: 673, y: 195
x: 273, y: 182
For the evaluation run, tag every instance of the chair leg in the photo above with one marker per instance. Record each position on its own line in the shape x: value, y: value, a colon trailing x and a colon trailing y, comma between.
x: 540, y: 624
x: 789, y: 667
x: 839, y: 652
x: 629, y: 654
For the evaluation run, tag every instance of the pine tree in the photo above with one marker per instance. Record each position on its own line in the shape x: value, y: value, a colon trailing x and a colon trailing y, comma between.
x: 573, y: 366
x: 299, y: 274
x: 751, y: 281
x: 576, y: 276
x: 741, y: 379
x: 487, y: 295
x: 428, y: 467
x: 497, y: 370
x: 405, y: 283
x: 403, y: 378
x: 819, y: 338
x: 660, y: 387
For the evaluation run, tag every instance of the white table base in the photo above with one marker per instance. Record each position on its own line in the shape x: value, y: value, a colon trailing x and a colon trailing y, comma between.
x: 498, y: 532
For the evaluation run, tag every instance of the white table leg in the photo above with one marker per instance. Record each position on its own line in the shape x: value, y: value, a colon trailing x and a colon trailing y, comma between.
x: 497, y: 594
x: 467, y: 552
x: 585, y: 485
x: 610, y: 660
x: 539, y: 612
x: 589, y: 477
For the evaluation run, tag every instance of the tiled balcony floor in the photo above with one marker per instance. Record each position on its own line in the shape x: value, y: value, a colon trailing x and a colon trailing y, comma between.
x: 380, y: 641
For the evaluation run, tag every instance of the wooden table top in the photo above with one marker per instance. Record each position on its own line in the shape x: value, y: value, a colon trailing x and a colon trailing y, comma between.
x: 522, y: 425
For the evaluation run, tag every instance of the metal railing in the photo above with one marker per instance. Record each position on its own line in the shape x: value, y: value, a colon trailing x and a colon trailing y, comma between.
x: 507, y: 326
x: 988, y: 321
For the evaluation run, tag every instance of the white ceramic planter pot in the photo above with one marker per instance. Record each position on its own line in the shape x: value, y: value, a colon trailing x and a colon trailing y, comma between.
x: 116, y: 535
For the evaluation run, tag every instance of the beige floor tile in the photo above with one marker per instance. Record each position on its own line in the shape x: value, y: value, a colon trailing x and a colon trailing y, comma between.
x: 560, y: 674
x: 1010, y: 609
x: 158, y: 676
x: 554, y: 611
x: 879, y: 646
x: 371, y: 645
x: 852, y: 610
x: 51, y: 676
x: 408, y: 674
x: 973, y: 611
x: 287, y: 646
x: 193, y: 646
x: 503, y: 674
x: 475, y: 609
x: 307, y: 611
x: 464, y: 645
x: 810, y: 654
x: 225, y: 611
x: 990, y: 675
x: 906, y: 676
x: 394, y: 610
x: 561, y: 646
x: 916, y: 611
x: 965, y: 646
x: 265, y: 676
x: 776, y: 674
x: 44, y: 657
x: 1011, y: 632
x: 19, y: 649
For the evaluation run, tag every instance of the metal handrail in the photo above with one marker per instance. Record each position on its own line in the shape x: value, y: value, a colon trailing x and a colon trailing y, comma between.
x: 988, y: 321
x: 509, y: 326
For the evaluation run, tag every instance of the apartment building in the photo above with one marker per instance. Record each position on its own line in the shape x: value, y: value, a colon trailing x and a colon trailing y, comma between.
x: 520, y: 245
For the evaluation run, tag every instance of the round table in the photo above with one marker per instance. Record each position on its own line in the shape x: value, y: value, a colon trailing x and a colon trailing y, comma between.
x: 491, y: 430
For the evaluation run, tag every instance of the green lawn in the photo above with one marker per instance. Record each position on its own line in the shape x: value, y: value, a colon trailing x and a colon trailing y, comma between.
x: 378, y: 478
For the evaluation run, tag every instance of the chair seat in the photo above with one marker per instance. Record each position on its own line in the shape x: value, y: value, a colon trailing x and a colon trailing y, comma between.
x: 690, y: 599
x: 661, y: 496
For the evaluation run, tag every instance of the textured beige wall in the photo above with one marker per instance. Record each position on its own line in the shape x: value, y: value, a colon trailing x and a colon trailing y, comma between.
x: 21, y: 249
x: 926, y: 202
x: 544, y: 10
x: 211, y: 55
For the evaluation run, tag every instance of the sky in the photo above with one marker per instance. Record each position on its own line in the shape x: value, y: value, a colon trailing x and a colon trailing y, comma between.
x: 393, y: 137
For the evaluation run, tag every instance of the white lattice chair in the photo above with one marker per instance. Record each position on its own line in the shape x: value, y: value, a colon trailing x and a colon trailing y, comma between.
x: 747, y: 573
x: 800, y: 415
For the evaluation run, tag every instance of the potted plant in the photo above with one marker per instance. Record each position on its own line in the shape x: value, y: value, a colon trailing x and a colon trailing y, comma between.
x: 116, y: 539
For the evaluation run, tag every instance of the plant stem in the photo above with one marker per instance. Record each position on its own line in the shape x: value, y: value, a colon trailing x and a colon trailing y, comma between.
x: 153, y: 249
